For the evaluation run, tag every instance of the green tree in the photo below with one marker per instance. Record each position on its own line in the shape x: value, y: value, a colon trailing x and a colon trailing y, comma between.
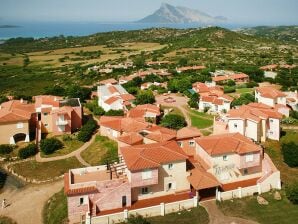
x: 50, y: 145
x: 114, y: 113
x: 75, y: 91
x: 139, y: 61
x: 173, y: 121
x: 290, y: 153
x: 144, y: 97
x: 292, y: 192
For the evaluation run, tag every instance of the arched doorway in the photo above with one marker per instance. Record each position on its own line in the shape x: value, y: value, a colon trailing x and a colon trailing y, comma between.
x: 20, y: 137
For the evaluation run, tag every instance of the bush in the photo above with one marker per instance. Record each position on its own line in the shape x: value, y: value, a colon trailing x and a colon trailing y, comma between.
x: 50, y: 145
x: 144, y: 97
x: 229, y: 89
x: 290, y: 153
x: 115, y: 113
x: 5, y: 149
x: 292, y: 192
x: 94, y: 108
x: 173, y: 121
x: 87, y: 130
x: 29, y: 150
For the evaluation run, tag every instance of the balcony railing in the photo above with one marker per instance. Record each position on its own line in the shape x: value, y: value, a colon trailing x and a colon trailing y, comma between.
x: 61, y: 122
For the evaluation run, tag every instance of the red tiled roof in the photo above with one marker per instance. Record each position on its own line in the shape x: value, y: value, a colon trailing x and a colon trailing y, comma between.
x: 16, y: 110
x: 131, y: 138
x: 140, y: 110
x: 269, y: 67
x: 243, y: 183
x: 201, y: 179
x: 147, y: 156
x: 212, y: 99
x: 47, y: 100
x: 188, y: 132
x: 111, y: 100
x: 270, y: 92
x: 108, y: 81
x: 113, y: 89
x: 160, y: 134
x: 230, y: 77
x: 227, y: 143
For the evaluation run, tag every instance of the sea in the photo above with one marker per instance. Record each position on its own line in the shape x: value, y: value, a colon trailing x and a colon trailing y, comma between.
x: 51, y: 29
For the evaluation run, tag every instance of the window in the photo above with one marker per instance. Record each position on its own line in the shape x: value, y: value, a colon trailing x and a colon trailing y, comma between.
x: 170, y: 185
x: 225, y: 158
x: 145, y: 190
x: 235, y: 125
x: 245, y: 171
x: 20, y: 125
x: 249, y: 157
x: 180, y: 144
x: 81, y: 201
x: 46, y: 125
x: 271, y: 120
x: 191, y: 143
x: 170, y: 166
x: 146, y: 174
x: 45, y: 114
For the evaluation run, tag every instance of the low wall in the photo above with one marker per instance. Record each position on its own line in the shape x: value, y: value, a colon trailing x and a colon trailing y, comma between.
x: 158, y: 210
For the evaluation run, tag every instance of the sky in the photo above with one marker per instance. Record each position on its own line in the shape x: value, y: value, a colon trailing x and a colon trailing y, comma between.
x: 257, y: 12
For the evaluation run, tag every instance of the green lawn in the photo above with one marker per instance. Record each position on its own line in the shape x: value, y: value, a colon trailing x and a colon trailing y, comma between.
x: 200, y: 120
x: 175, y: 110
x: 273, y: 149
x: 55, y: 209
x: 44, y: 171
x: 244, y: 90
x: 70, y: 145
x: 100, y: 150
x: 193, y: 216
x: 206, y: 133
x: 277, y: 212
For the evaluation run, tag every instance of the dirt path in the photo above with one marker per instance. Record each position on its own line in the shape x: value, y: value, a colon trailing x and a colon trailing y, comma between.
x: 26, y: 204
x: 76, y: 153
x: 217, y: 217
x: 186, y: 115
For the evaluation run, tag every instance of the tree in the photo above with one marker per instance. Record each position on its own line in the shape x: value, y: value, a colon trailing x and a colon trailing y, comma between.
x: 290, y: 153
x: 183, y: 61
x: 55, y: 90
x: 194, y: 100
x: 50, y: 145
x: 144, y: 97
x: 3, y: 99
x: 152, y: 78
x: 94, y: 108
x: 173, y: 121
x: 139, y: 61
x: 87, y: 130
x: 115, y: 113
x: 231, y: 82
x: 75, y: 91
x: 245, y: 98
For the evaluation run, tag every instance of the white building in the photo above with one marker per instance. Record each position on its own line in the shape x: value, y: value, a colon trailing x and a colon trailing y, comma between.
x: 215, y: 104
x: 113, y: 97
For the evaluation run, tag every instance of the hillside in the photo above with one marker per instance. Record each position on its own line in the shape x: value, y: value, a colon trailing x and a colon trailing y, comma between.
x: 282, y: 33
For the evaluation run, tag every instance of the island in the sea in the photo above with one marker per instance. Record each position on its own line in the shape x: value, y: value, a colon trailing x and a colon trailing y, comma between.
x: 9, y: 26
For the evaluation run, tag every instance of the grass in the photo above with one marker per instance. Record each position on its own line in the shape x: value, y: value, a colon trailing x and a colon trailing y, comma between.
x: 277, y: 212
x: 200, y: 120
x: 206, y: 133
x: 193, y: 216
x: 55, y: 209
x: 244, y: 90
x: 273, y: 149
x: 101, y: 149
x: 44, y: 171
x: 175, y: 110
x: 70, y: 145
x: 6, y: 220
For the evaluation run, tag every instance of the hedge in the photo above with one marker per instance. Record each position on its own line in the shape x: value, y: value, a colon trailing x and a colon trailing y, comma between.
x: 87, y: 130
x: 290, y: 153
x: 50, y: 145
x: 29, y: 150
x: 5, y: 149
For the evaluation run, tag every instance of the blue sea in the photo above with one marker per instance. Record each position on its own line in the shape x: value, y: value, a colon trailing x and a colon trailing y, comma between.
x: 40, y: 30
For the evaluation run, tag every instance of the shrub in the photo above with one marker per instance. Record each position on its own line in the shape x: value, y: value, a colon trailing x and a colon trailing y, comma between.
x: 173, y: 121
x: 144, y: 97
x: 292, y: 192
x: 87, y: 130
x: 50, y: 145
x: 5, y: 149
x: 229, y: 89
x: 290, y: 153
x: 114, y: 113
x: 94, y: 108
x: 29, y: 150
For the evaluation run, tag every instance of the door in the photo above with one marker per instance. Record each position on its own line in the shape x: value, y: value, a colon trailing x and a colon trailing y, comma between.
x: 123, y: 201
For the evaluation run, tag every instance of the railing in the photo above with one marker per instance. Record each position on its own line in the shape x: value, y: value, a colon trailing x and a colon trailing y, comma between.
x: 61, y: 122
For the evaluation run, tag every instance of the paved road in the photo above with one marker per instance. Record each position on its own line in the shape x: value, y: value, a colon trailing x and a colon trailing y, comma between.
x: 26, y: 204
x: 217, y: 217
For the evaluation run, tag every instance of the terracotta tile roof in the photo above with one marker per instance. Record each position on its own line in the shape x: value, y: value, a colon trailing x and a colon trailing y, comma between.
x: 16, y: 110
x: 269, y: 67
x: 188, y: 132
x: 230, y: 77
x: 47, y: 100
x: 200, y: 87
x: 227, y: 97
x: 113, y: 89
x: 127, y: 97
x: 123, y: 124
x: 196, y: 67
x: 160, y: 134
x: 270, y: 92
x: 111, y: 100
x: 131, y: 138
x: 147, y: 156
x: 212, y: 99
x: 243, y: 183
x: 77, y: 191
x: 227, y: 143
x: 201, y: 179
x: 140, y: 110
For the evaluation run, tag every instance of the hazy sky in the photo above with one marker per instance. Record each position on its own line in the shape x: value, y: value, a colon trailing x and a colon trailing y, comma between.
x: 273, y: 12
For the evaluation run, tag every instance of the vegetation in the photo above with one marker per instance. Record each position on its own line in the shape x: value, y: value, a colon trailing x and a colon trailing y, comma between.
x: 138, y: 219
x: 290, y: 153
x: 5, y: 149
x: 3, y: 176
x: 94, y: 108
x: 200, y: 120
x: 144, y: 97
x: 55, y: 210
x: 100, y: 151
x: 276, y: 212
x: 28, y: 151
x: 87, y: 130
x: 244, y: 98
x: 173, y: 121
x: 45, y: 171
x: 6, y: 220
x: 114, y: 113
x: 50, y: 145
x: 193, y: 101
x: 292, y: 193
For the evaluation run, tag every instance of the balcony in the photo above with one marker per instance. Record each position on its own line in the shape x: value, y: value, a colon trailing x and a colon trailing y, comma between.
x: 61, y: 122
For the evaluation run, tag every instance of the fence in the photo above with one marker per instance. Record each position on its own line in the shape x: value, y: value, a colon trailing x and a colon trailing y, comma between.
x: 271, y: 182
x: 157, y: 210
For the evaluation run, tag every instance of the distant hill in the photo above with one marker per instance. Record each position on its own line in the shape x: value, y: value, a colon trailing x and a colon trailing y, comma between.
x: 8, y: 26
x: 171, y: 14
x: 282, y: 33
